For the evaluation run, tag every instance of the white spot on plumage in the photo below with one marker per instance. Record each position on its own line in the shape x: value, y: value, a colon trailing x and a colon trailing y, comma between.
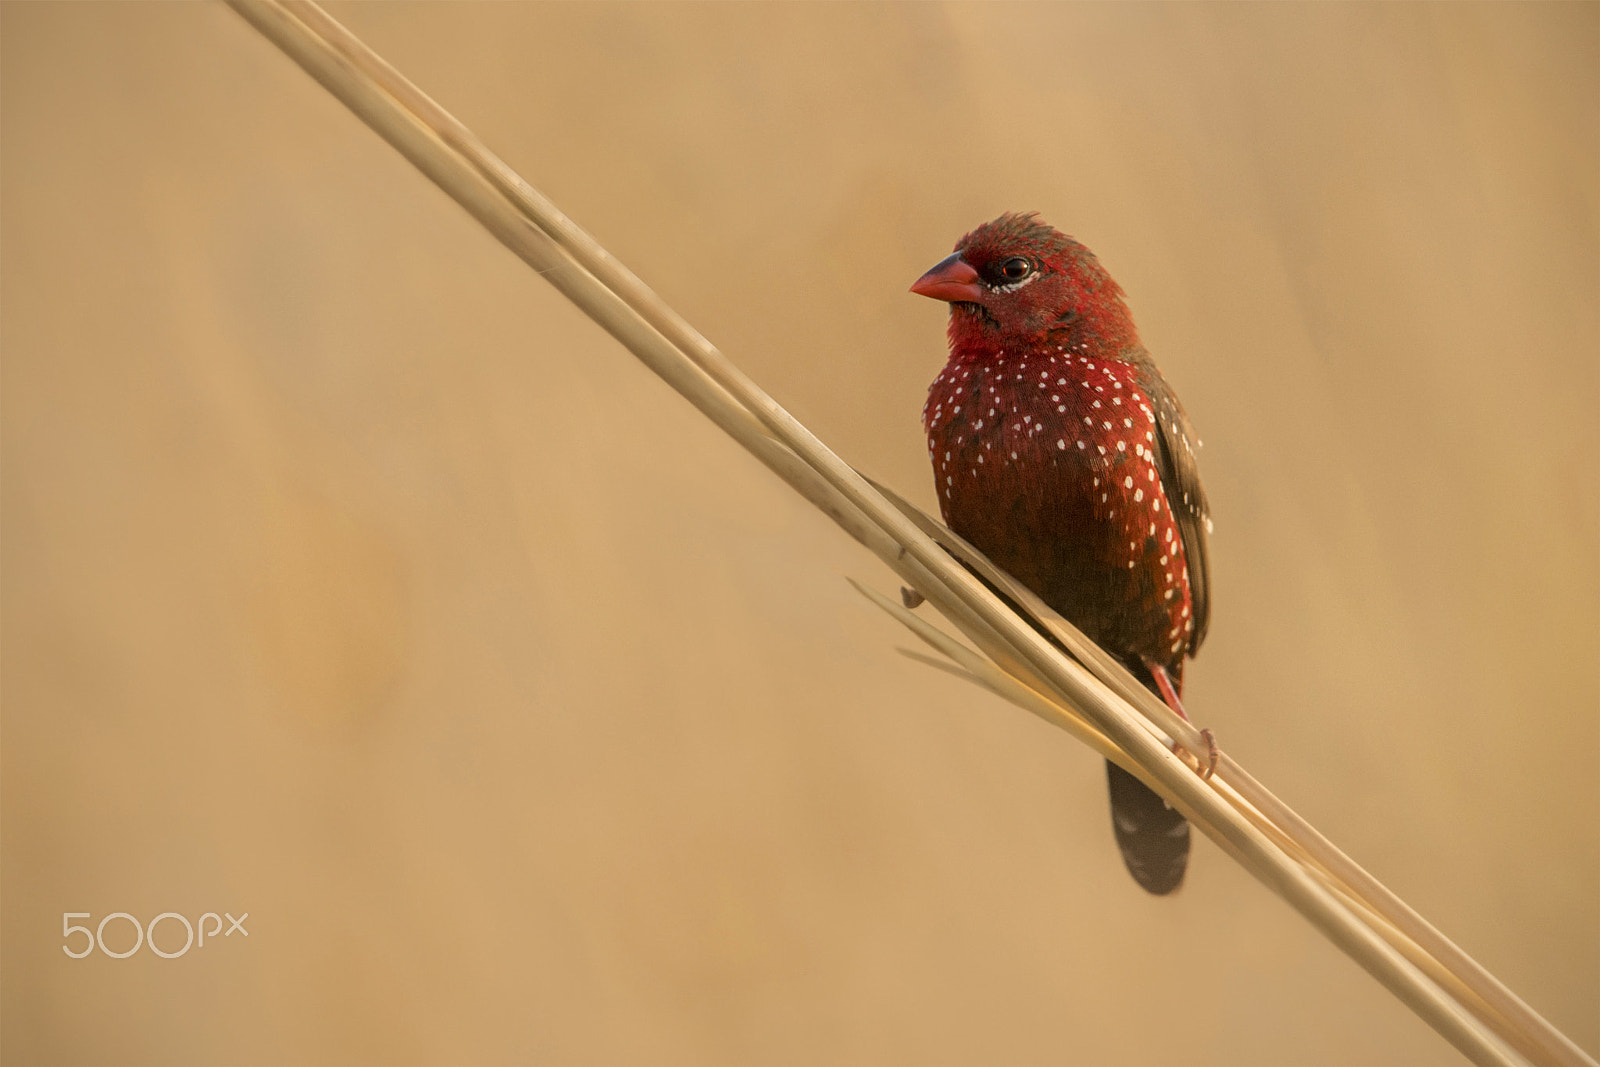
x: 1127, y: 483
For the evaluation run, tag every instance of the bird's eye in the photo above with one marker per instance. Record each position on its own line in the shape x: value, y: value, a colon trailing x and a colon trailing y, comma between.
x: 1015, y: 269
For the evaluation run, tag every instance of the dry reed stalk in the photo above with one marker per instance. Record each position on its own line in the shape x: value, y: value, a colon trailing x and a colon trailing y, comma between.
x: 1022, y: 658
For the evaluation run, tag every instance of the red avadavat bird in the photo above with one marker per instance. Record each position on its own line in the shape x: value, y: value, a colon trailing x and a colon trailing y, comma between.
x: 1062, y: 454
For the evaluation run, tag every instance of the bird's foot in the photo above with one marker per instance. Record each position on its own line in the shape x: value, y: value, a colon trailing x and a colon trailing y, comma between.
x: 1212, y: 752
x: 1207, y: 767
x: 1169, y: 694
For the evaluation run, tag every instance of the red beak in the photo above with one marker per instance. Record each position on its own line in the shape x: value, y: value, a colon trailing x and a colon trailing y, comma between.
x: 952, y: 279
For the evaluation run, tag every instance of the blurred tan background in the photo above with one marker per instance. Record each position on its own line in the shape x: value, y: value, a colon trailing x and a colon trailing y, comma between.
x: 355, y: 581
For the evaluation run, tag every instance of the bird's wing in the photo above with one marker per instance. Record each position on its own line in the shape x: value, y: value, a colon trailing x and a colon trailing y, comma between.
x: 1180, y: 480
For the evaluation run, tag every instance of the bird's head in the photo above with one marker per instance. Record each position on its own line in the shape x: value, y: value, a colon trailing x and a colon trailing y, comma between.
x: 1016, y: 282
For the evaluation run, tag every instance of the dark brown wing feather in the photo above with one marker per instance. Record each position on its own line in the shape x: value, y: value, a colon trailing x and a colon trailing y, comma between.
x: 1180, y: 480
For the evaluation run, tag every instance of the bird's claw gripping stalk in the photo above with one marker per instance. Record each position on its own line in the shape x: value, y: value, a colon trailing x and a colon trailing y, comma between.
x: 1169, y: 693
x: 1212, y: 752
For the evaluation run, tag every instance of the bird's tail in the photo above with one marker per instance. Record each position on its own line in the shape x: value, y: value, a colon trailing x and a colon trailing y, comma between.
x: 1153, y: 837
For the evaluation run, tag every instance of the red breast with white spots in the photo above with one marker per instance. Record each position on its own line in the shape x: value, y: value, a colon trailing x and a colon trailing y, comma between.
x: 1049, y: 462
